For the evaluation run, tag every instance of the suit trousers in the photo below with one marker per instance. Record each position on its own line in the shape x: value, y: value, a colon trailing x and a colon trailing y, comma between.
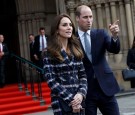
x: 97, y: 99
x: 2, y: 72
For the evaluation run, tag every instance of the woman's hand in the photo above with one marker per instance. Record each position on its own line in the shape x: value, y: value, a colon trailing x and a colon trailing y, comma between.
x: 77, y: 100
x: 76, y: 109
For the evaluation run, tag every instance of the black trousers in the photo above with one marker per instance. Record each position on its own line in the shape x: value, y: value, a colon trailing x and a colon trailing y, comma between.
x: 2, y: 72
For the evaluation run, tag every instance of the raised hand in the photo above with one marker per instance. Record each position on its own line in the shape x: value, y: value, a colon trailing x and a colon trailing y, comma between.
x: 114, y: 28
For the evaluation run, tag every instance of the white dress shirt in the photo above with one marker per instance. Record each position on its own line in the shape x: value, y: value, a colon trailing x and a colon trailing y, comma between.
x: 45, y: 43
x: 1, y: 47
x: 81, y: 36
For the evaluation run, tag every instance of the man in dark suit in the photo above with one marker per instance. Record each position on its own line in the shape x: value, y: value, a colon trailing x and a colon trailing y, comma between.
x: 3, y: 56
x: 40, y: 44
x: 31, y: 41
x: 102, y: 84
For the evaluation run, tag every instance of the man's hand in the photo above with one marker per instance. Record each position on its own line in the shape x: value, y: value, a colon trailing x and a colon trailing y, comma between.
x: 114, y: 28
x: 36, y: 57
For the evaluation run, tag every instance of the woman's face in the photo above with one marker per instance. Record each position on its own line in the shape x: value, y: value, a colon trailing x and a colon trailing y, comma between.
x: 65, y: 28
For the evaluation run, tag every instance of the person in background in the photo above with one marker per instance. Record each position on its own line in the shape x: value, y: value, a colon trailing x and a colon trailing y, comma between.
x: 40, y: 44
x: 131, y: 61
x: 31, y: 42
x: 3, y: 56
x: 102, y: 84
x: 64, y: 70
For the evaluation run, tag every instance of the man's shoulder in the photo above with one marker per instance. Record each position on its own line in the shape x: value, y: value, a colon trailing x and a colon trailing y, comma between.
x: 37, y: 36
x: 46, y: 35
x: 4, y: 44
x: 98, y: 30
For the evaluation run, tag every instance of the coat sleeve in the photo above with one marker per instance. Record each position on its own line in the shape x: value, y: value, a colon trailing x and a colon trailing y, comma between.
x: 50, y: 77
x: 112, y: 46
x: 83, y: 80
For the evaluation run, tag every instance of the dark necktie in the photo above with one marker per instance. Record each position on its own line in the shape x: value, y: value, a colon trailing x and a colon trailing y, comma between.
x: 87, y: 47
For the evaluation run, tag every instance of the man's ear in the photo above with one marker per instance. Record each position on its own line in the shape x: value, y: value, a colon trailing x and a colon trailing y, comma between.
x: 77, y: 18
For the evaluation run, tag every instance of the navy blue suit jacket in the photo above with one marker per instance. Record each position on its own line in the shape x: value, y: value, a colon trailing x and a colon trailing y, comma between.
x: 100, y: 43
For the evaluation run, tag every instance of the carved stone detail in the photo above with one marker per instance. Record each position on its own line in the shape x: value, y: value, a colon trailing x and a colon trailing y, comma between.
x: 71, y: 4
x: 127, y: 1
x: 35, y: 16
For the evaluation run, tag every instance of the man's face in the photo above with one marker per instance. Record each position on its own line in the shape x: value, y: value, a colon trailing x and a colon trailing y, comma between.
x: 85, y: 19
x: 1, y: 38
x: 31, y: 38
x: 42, y: 32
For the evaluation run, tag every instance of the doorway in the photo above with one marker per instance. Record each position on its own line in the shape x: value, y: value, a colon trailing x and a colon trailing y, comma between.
x: 8, y: 27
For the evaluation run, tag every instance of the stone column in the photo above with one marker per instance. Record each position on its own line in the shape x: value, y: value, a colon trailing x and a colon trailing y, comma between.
x: 62, y: 6
x: 113, y: 11
x: 71, y: 7
x: 30, y: 27
x: 99, y: 16
x: 108, y: 21
x: 25, y: 43
x: 123, y: 26
x: 20, y: 38
x: 108, y: 16
x: 57, y: 6
x: 29, y: 32
x: 34, y: 26
x: 129, y: 22
x: 94, y: 16
x: 41, y: 22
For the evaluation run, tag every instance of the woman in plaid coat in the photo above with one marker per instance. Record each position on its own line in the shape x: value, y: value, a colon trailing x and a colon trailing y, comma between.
x: 64, y: 70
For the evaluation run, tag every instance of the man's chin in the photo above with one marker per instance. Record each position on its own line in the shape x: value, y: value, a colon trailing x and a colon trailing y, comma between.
x: 89, y: 28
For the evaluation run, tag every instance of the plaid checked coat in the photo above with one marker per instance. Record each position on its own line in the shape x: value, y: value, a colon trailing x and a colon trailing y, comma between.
x: 65, y: 79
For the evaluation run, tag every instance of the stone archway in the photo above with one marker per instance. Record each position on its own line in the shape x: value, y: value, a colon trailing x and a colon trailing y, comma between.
x: 8, y: 24
x: 8, y: 27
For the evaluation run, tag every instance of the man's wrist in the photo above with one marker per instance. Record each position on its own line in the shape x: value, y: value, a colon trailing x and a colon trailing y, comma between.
x: 115, y: 38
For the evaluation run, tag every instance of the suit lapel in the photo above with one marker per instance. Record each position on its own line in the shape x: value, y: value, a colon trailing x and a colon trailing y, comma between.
x: 93, y: 44
x: 3, y: 46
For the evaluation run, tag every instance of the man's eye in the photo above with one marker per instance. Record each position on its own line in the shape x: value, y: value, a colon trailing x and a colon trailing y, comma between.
x: 85, y: 17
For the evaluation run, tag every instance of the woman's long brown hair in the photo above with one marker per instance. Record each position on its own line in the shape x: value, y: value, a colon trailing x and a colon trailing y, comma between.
x: 54, y: 45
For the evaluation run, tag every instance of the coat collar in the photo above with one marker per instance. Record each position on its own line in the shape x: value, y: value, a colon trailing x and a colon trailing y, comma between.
x: 66, y: 57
